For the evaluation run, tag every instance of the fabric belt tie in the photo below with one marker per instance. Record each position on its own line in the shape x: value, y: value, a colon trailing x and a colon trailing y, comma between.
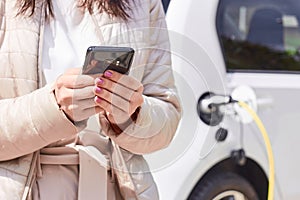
x: 93, y: 168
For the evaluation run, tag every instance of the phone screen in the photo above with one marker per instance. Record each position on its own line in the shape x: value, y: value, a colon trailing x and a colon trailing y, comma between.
x: 101, y: 58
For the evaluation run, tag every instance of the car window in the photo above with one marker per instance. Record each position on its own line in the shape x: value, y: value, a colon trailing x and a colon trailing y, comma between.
x: 260, y: 35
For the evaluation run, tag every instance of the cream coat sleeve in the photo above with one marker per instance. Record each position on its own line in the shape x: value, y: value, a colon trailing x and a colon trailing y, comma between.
x: 160, y: 113
x: 30, y: 122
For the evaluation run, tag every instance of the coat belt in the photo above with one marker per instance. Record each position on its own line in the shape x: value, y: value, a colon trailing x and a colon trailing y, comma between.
x: 93, y: 164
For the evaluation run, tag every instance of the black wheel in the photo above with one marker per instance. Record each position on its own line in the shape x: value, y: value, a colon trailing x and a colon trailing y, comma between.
x: 224, y: 186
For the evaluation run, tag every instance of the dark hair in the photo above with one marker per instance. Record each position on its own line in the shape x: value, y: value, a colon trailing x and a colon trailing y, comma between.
x: 115, y: 8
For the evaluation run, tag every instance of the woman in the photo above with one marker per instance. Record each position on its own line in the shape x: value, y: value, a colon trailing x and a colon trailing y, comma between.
x: 46, y: 102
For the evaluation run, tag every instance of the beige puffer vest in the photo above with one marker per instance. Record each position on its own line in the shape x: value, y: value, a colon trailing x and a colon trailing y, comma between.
x: 18, y: 76
x: 20, y: 47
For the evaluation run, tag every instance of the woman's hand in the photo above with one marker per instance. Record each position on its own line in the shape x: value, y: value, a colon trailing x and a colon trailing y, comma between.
x: 119, y: 95
x: 75, y: 95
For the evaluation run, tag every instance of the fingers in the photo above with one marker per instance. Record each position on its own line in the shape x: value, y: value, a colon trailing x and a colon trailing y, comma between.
x: 110, y: 97
x: 82, y: 114
x: 125, y: 98
x: 78, y: 104
x: 71, y: 96
x: 119, y: 95
x: 73, y: 71
x: 74, y: 81
x: 115, y: 114
x: 128, y: 87
x: 114, y: 100
x: 84, y: 93
x: 110, y: 108
x: 75, y: 95
x: 78, y: 71
x: 73, y: 78
x: 106, y: 84
x: 126, y: 81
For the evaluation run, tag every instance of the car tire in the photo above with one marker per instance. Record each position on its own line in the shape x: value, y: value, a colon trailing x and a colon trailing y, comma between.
x: 224, y: 186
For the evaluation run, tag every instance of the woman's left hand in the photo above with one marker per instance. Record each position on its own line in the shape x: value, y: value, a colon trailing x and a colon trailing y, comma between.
x: 119, y: 95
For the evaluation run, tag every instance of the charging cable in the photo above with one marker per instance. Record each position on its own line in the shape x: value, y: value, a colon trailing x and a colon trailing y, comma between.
x: 268, y: 147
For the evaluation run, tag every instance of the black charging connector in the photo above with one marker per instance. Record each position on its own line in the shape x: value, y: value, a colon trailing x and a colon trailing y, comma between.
x: 208, y: 107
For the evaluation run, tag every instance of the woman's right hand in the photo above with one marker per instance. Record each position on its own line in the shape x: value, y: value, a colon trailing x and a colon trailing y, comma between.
x: 75, y: 94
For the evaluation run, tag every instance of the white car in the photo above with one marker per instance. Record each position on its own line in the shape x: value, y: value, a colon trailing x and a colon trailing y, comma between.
x: 247, y: 50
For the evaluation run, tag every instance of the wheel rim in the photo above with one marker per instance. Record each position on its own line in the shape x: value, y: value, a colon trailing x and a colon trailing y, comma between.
x: 230, y: 195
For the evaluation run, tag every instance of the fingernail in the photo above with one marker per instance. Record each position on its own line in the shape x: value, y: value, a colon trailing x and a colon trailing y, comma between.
x: 99, y: 81
x: 108, y: 74
x: 98, y: 90
x: 97, y: 99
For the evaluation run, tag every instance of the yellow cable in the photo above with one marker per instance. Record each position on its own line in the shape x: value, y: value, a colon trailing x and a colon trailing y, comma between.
x: 268, y: 146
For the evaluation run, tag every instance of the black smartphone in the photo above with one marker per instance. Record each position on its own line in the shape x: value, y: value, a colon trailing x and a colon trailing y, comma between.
x: 98, y: 59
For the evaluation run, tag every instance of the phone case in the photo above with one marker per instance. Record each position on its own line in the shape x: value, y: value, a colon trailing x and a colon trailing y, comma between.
x: 101, y: 58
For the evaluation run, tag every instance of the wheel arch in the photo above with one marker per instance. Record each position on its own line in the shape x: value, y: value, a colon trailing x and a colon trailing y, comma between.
x: 251, y: 171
